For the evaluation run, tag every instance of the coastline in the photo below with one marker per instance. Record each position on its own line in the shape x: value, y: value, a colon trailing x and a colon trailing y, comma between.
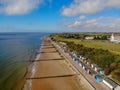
x: 31, y: 71
x: 48, y: 68
x: 16, y: 55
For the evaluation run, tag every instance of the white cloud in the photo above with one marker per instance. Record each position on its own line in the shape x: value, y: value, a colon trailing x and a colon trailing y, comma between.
x: 89, y: 6
x: 18, y: 7
x: 75, y: 24
x: 92, y: 21
x: 114, y: 3
x: 101, y: 24
x: 82, y: 17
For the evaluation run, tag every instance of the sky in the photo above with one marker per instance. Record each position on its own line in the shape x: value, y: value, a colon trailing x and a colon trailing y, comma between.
x: 59, y: 15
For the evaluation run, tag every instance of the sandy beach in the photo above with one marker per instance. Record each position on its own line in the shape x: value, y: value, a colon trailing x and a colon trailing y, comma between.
x: 52, y: 72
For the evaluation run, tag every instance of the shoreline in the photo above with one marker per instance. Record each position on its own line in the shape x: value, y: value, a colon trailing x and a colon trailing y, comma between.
x: 50, y: 68
x: 31, y: 71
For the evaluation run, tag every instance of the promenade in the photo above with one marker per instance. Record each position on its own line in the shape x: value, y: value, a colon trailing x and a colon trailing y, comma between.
x: 90, y: 79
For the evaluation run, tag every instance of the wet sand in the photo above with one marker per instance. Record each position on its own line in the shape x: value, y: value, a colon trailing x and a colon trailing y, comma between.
x: 53, y: 72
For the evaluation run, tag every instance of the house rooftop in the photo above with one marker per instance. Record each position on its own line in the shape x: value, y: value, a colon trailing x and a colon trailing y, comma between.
x: 92, y: 71
x: 88, y: 68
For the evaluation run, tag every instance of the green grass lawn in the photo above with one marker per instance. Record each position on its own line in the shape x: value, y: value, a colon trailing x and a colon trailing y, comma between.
x: 106, y: 45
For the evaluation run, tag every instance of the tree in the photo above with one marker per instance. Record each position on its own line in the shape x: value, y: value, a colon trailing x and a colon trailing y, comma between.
x: 107, y: 71
x: 113, y: 65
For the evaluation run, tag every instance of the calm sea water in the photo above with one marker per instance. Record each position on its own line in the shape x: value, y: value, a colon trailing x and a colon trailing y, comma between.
x: 16, y: 49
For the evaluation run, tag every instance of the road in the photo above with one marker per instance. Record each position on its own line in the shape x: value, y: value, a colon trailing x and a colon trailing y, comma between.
x: 90, y: 79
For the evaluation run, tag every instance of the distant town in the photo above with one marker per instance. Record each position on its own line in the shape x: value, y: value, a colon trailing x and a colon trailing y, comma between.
x: 113, y: 37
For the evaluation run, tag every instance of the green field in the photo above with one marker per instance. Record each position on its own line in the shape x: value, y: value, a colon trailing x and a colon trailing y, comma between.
x: 106, y: 45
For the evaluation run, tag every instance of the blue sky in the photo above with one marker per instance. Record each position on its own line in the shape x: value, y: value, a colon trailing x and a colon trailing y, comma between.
x: 59, y: 16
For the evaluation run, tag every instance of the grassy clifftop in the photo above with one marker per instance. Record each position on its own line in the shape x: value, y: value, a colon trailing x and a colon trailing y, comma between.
x: 98, y: 44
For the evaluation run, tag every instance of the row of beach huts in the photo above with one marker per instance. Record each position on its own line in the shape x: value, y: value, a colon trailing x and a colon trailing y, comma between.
x: 91, y: 68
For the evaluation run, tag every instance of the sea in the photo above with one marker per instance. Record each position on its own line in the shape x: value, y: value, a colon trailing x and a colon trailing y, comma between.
x: 16, y: 52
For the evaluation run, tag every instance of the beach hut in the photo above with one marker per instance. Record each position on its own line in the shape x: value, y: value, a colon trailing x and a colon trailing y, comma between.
x: 80, y: 63
x: 80, y: 57
x: 95, y: 67
x: 83, y: 66
x: 88, y: 70
x: 98, y: 78
x: 73, y: 58
x: 76, y: 60
x: 101, y: 72
x: 92, y: 72
x: 84, y: 61
x: 75, y: 55
x: 88, y: 62
x: 83, y: 58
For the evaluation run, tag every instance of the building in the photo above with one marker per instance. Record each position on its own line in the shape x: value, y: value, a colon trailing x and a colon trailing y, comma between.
x: 89, y: 37
x: 91, y: 72
x: 115, y: 38
x: 101, y: 72
x: 98, y: 78
x: 89, y: 62
x: 111, y: 84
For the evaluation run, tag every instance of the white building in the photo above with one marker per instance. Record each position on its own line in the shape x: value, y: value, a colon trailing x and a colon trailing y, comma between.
x: 111, y: 84
x: 89, y: 38
x: 115, y: 38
